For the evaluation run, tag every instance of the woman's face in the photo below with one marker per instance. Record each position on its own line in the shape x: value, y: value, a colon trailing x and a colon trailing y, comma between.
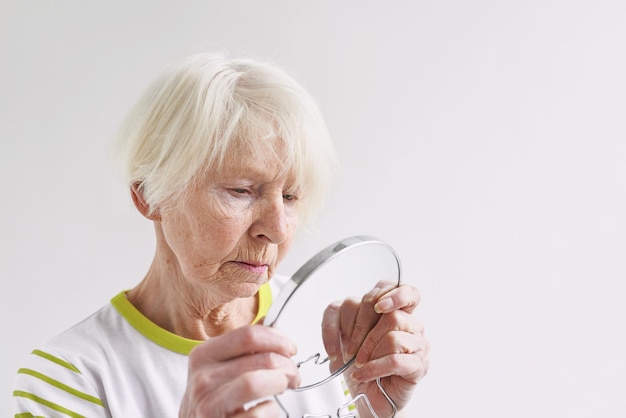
x: 235, y: 227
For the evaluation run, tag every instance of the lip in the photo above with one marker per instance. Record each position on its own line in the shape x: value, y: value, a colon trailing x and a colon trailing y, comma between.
x: 251, y: 266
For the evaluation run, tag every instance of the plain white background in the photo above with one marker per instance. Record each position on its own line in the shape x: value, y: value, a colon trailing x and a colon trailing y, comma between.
x: 483, y: 139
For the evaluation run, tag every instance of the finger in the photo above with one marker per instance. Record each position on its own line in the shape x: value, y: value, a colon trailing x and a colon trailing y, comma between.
x: 348, y: 313
x: 365, y: 320
x: 410, y: 366
x: 249, y: 377
x: 398, y: 342
x: 405, y: 297
x: 400, y: 321
x: 331, y: 333
x: 219, y: 373
x: 239, y: 342
x: 378, y: 290
x: 251, y: 386
x: 366, y: 316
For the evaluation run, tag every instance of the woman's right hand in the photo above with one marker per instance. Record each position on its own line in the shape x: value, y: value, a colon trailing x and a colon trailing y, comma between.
x: 236, y: 368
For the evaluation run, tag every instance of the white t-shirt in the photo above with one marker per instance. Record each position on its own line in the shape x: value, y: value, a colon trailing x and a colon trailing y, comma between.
x: 117, y: 363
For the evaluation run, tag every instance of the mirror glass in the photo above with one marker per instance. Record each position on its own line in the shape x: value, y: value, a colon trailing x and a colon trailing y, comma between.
x: 349, y: 268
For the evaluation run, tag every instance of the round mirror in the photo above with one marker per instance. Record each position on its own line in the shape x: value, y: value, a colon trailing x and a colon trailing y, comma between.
x: 348, y: 269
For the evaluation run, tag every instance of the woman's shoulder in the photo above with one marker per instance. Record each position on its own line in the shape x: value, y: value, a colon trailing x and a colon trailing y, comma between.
x: 81, y: 337
x: 56, y: 370
x: 86, y: 340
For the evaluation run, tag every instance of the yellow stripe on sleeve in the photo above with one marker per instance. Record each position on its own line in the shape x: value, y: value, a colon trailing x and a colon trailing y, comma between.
x: 49, y: 404
x: 62, y: 386
x: 56, y: 360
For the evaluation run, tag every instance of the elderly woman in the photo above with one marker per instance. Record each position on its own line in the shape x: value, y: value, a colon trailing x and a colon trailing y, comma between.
x: 226, y: 157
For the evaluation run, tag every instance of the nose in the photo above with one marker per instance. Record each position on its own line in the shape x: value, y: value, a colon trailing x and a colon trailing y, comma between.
x: 271, y: 224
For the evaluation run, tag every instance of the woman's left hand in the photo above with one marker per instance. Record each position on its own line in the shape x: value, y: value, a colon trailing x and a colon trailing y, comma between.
x: 387, y: 340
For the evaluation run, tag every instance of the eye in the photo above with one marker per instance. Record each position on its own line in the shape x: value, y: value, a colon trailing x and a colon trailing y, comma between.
x: 239, y: 191
x: 290, y: 197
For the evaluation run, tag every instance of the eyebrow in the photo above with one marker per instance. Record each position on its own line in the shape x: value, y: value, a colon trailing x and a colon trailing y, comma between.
x: 254, y: 172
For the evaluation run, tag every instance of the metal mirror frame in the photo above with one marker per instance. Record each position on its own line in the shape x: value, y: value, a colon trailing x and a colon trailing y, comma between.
x: 311, y: 266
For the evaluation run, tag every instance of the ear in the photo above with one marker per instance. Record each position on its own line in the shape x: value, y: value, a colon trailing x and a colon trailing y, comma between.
x: 141, y: 205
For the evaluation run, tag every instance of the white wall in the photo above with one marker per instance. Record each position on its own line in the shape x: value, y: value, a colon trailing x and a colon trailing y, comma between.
x: 484, y: 139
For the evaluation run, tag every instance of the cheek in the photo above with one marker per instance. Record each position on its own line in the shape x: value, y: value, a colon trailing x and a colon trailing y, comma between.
x: 200, y: 249
x: 283, y: 249
x: 182, y: 237
x: 294, y: 221
x: 214, y: 222
x: 193, y: 239
x: 285, y: 246
x: 228, y: 233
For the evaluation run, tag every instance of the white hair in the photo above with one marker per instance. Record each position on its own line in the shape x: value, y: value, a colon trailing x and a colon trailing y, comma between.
x: 206, y: 106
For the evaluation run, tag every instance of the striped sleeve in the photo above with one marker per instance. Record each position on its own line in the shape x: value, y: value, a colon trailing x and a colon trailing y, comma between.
x: 49, y: 386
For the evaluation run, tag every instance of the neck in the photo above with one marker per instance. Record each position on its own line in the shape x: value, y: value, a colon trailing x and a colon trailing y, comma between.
x: 191, y: 311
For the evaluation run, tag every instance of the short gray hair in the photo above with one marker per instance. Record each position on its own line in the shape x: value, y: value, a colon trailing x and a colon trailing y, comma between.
x: 207, y: 105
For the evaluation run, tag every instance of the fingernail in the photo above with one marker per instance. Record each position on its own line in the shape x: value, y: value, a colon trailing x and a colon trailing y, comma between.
x: 383, y: 305
x: 351, y: 350
x: 369, y: 296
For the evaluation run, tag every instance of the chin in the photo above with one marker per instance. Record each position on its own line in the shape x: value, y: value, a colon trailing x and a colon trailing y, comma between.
x: 245, y: 289
x: 240, y: 283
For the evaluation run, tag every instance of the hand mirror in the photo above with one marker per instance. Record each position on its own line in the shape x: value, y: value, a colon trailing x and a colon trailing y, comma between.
x: 347, y: 269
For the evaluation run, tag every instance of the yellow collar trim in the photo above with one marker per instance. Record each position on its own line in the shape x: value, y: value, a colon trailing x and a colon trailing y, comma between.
x: 170, y: 340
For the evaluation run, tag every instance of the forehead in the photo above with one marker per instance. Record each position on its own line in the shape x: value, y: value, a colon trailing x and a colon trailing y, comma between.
x: 265, y: 163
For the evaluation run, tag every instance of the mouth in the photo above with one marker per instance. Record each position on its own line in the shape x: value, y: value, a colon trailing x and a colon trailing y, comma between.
x: 252, y: 266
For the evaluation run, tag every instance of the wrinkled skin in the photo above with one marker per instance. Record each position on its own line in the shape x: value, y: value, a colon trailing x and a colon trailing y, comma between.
x: 213, y: 254
x: 387, y: 340
x: 229, y: 371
